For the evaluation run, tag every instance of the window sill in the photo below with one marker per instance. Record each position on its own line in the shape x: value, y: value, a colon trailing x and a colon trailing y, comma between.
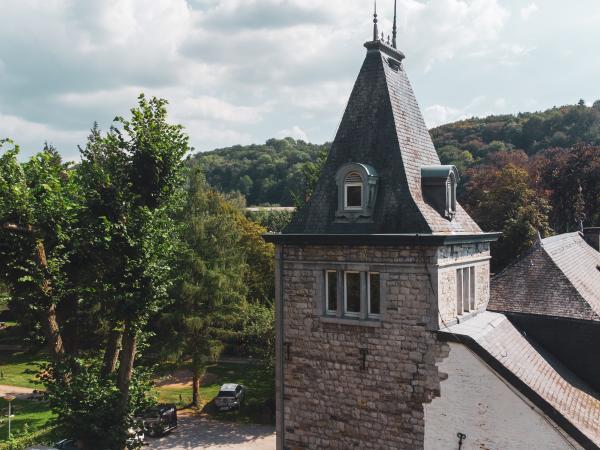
x: 374, y: 323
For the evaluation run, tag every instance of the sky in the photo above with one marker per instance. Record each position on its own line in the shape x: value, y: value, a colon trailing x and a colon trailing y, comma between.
x: 244, y: 71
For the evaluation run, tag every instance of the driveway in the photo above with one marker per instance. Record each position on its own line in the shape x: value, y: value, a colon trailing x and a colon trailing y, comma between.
x: 195, y: 433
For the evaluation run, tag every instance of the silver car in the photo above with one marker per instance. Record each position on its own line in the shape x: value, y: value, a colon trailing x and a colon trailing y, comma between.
x: 230, y: 396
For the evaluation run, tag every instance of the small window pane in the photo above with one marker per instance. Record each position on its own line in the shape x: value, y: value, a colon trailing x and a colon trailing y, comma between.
x: 352, y: 292
x: 472, y: 286
x: 354, y: 196
x: 459, y: 292
x: 374, y: 296
x: 331, y: 292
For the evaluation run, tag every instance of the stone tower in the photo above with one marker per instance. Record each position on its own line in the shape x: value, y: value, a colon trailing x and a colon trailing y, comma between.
x: 380, y: 258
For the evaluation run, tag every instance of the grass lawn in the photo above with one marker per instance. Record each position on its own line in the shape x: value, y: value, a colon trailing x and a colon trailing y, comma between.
x: 260, y: 394
x: 19, y: 368
x: 28, y: 415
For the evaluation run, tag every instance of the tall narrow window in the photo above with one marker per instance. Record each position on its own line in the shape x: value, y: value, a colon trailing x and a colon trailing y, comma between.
x: 331, y: 291
x: 353, y: 191
x: 374, y: 295
x: 459, y: 292
x: 352, y: 293
x: 472, y: 287
x: 465, y: 290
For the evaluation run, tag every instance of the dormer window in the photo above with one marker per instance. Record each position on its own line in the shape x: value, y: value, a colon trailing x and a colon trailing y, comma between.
x: 353, y: 191
x: 439, y: 188
x: 357, y: 192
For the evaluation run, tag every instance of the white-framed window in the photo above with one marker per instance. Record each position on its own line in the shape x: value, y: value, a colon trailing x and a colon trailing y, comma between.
x: 374, y: 294
x: 465, y: 290
x: 352, y: 294
x: 353, y: 191
x: 331, y: 292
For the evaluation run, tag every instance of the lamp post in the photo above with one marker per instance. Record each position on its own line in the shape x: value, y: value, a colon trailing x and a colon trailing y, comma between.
x: 9, y: 398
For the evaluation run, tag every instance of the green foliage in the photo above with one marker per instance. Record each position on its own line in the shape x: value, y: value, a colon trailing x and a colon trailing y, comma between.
x: 43, y: 436
x: 211, y: 286
x: 274, y: 220
x: 258, y: 333
x: 86, y: 403
x: 566, y: 171
x: 39, y: 204
x: 500, y: 199
x: 270, y: 174
x: 532, y: 132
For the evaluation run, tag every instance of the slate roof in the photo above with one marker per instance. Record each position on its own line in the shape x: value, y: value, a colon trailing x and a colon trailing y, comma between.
x: 544, y: 381
x: 557, y: 277
x: 382, y: 127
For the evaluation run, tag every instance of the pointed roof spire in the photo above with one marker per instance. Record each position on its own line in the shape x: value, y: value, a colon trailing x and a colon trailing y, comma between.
x: 394, y: 30
x: 375, y: 31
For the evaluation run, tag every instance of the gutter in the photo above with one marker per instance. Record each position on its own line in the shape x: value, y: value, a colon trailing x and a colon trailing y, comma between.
x: 433, y: 240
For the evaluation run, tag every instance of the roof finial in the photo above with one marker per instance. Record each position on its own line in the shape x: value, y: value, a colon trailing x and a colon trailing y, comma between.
x: 394, y: 30
x: 375, y: 31
x: 580, y: 215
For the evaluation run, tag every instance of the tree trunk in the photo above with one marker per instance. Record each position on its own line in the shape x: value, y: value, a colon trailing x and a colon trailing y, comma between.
x: 126, y: 360
x: 49, y: 321
x: 52, y: 332
x: 111, y: 354
x: 197, y: 375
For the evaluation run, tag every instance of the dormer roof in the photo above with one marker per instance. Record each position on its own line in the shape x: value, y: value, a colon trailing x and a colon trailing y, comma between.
x: 382, y: 127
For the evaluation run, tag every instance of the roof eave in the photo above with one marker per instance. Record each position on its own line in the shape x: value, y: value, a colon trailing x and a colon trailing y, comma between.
x: 435, y: 240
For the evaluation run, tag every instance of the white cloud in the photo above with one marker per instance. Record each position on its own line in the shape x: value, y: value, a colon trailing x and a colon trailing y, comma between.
x: 528, y: 11
x: 241, y: 71
x: 295, y: 132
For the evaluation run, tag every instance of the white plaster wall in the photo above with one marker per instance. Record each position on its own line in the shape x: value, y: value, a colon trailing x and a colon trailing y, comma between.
x: 474, y: 401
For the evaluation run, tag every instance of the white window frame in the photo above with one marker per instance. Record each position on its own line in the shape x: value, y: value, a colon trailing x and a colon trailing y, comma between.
x: 369, y: 313
x: 327, y: 310
x: 466, y: 290
x: 362, y: 193
x: 346, y: 312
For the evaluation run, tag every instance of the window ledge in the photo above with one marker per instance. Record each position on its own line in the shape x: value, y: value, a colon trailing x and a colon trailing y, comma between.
x: 374, y: 323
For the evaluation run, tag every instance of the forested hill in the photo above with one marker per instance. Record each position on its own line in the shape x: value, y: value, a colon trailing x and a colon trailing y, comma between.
x: 468, y: 142
x: 268, y: 174
x: 274, y: 172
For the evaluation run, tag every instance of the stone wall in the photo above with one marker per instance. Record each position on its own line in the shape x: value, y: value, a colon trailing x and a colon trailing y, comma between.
x: 451, y: 258
x: 356, y: 384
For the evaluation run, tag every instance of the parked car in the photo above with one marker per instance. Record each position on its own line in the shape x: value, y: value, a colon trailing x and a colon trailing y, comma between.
x: 230, y: 396
x: 160, y: 420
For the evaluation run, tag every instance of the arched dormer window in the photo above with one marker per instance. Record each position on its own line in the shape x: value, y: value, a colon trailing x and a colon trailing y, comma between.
x: 353, y: 191
x: 439, y: 188
x: 357, y: 191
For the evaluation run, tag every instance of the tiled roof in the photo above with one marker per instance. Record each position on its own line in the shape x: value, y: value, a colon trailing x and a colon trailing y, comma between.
x: 579, y: 262
x: 382, y: 127
x: 557, y: 277
x: 559, y: 393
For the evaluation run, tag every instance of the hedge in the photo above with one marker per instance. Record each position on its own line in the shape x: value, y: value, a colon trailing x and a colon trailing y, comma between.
x: 43, y: 436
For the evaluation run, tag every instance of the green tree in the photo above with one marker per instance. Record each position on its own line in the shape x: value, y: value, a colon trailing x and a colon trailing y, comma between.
x: 39, y: 203
x: 502, y: 200
x: 211, y: 289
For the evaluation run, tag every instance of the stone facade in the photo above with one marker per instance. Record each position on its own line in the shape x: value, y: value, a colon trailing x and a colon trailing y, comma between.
x: 351, y: 383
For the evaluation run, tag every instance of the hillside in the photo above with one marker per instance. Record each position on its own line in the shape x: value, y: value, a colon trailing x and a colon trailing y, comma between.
x: 468, y: 142
x: 268, y: 174
x: 272, y: 173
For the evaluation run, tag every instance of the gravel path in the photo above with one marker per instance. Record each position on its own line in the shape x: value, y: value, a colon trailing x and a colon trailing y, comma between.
x: 196, y: 433
x: 19, y: 392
